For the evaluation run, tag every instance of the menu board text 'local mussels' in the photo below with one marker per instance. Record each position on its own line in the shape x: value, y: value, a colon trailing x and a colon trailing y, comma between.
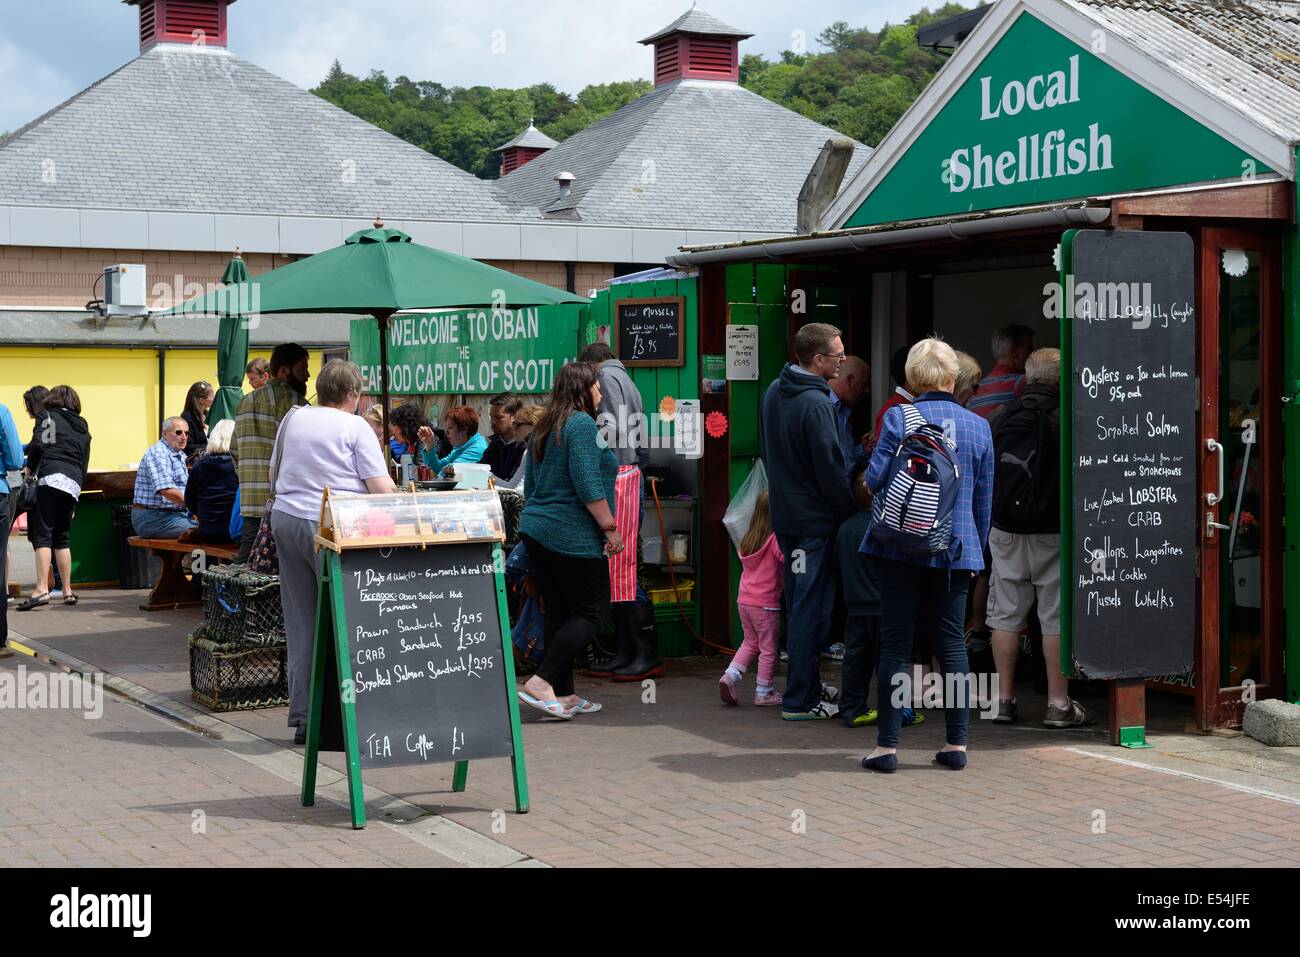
x: 1135, y: 458
x: 426, y: 648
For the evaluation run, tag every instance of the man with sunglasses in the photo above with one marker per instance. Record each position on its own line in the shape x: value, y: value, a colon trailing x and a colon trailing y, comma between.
x: 808, y: 499
x: 159, y: 508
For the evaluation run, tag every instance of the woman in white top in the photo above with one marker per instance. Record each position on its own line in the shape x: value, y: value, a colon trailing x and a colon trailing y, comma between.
x: 317, y: 446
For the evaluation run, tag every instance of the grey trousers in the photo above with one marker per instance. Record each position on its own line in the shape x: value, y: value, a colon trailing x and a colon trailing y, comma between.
x: 299, y: 584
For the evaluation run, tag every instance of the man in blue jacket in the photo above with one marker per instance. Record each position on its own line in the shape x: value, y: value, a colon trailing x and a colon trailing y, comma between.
x: 11, y: 458
x: 808, y: 498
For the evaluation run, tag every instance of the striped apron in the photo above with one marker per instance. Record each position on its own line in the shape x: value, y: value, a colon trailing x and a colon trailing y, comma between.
x: 627, y: 515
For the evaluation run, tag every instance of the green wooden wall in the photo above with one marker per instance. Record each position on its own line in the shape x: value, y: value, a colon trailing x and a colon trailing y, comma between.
x: 654, y: 384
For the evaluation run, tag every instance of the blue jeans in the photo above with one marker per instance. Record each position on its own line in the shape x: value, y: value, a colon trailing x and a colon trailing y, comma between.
x: 861, y: 652
x: 160, y: 522
x: 810, y: 601
x: 917, y: 600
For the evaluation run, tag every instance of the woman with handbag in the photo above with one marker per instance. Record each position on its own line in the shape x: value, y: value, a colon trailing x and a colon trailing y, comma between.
x: 58, y: 458
x: 320, y: 446
x: 569, y: 531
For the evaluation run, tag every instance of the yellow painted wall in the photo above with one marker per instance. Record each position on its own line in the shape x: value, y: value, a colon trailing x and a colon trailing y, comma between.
x: 118, y: 389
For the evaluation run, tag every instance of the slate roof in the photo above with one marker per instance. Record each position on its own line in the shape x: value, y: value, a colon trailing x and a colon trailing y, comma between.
x: 1245, y: 53
x: 697, y: 21
x: 76, y: 327
x: 184, y: 129
x: 697, y: 154
x: 531, y: 138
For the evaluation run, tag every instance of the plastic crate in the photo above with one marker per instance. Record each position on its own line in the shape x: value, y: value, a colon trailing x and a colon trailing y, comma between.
x: 675, y: 638
x: 241, y: 606
x: 238, y: 677
x: 666, y: 595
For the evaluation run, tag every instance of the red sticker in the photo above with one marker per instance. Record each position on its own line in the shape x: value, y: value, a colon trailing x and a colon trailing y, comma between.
x: 715, y: 423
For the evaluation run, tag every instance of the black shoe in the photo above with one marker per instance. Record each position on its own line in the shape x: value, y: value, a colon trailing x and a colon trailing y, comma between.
x: 33, y: 602
x: 625, y: 629
x: 952, y: 760
x: 885, y: 764
x: 300, y: 736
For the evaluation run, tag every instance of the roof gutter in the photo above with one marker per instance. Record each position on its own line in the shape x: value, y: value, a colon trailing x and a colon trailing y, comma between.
x: 849, y: 242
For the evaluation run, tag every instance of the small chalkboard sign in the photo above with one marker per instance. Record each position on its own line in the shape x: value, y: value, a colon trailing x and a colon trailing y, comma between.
x: 414, y: 639
x: 650, y: 331
x: 1130, y: 506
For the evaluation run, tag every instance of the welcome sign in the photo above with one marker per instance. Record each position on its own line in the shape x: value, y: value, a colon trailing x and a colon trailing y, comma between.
x: 470, y: 351
x: 1043, y: 119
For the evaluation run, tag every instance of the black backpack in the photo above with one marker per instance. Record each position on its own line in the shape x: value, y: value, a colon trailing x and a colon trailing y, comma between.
x: 1026, y: 470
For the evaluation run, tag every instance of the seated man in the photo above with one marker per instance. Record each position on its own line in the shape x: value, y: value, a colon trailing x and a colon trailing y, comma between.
x: 159, y: 510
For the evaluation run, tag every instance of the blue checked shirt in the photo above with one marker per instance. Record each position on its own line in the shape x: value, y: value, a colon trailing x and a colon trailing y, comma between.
x: 972, y: 514
x: 161, y: 468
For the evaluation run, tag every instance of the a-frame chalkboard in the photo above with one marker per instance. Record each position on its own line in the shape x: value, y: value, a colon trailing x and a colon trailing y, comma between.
x: 412, y: 663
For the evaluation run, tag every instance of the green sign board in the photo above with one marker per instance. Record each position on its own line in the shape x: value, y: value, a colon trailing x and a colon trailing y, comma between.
x: 1044, y: 119
x: 470, y: 351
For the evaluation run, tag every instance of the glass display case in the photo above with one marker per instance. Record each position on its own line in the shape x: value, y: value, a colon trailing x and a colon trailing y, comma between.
x: 351, y: 520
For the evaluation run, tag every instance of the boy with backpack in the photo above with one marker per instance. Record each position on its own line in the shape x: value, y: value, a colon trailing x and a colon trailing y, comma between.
x: 1025, y: 540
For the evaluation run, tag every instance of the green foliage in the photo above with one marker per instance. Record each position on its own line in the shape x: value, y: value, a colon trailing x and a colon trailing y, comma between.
x: 862, y: 82
x: 463, y: 125
x: 859, y: 85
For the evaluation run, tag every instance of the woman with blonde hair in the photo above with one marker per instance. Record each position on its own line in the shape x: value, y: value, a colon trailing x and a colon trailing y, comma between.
x: 526, y: 420
x: 210, y: 489
x: 969, y: 374
x: 927, y: 593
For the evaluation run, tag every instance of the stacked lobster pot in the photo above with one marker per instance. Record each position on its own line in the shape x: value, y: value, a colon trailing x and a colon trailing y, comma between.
x: 238, y: 654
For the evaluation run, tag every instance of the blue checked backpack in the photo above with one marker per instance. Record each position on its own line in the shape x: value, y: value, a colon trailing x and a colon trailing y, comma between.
x: 912, y: 514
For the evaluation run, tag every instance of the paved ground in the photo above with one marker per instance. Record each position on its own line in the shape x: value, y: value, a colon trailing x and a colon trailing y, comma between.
x: 131, y: 789
x: 677, y: 780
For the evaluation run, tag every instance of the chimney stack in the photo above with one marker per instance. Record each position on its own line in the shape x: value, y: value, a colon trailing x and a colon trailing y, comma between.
x: 193, y: 22
x: 566, y: 183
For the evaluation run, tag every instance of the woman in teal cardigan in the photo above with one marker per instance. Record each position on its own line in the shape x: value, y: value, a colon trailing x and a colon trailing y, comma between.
x: 569, y: 530
x: 467, y: 446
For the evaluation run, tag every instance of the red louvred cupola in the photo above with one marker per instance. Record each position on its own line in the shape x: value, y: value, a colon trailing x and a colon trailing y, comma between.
x: 524, y: 148
x: 697, y: 46
x: 196, y: 22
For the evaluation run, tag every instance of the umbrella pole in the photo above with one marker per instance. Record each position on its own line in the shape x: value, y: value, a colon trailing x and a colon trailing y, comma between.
x: 382, y: 318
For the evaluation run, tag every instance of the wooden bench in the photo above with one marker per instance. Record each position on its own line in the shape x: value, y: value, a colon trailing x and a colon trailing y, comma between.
x: 173, y: 590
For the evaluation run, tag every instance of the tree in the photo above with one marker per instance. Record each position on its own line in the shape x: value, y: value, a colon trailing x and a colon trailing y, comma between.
x: 860, y: 85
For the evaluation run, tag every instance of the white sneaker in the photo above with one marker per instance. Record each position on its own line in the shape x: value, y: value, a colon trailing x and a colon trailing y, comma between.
x: 835, y: 652
x: 830, y: 693
x: 57, y: 593
x: 821, y: 712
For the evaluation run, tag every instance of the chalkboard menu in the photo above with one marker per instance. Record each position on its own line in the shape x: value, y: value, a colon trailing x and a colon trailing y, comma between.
x: 650, y: 331
x: 1133, y: 457
x: 426, y: 655
x: 411, y: 660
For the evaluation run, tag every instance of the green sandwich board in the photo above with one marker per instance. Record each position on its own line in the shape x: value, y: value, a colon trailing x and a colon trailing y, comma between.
x: 411, y: 644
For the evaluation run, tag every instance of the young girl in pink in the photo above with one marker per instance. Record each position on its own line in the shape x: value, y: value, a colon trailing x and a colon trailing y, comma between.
x: 759, y: 603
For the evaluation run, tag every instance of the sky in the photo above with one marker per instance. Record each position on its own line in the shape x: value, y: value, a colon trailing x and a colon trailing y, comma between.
x: 52, y: 49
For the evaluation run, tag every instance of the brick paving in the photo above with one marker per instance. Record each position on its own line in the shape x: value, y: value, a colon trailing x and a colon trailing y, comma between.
x: 685, y: 781
x: 121, y: 790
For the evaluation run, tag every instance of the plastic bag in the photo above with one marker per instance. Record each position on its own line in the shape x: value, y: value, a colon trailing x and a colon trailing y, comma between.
x: 741, y: 510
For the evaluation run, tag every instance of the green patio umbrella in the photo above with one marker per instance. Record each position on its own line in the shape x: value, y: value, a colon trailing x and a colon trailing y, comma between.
x: 232, y: 350
x: 376, y: 272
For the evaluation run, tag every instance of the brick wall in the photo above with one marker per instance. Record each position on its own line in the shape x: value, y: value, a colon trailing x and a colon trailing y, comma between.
x: 44, y: 276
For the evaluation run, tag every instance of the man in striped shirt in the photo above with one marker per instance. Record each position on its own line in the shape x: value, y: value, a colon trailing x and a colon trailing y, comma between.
x: 257, y: 419
x: 1006, y: 380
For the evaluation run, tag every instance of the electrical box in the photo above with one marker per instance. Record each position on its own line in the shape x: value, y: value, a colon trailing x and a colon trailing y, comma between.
x: 125, y: 290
